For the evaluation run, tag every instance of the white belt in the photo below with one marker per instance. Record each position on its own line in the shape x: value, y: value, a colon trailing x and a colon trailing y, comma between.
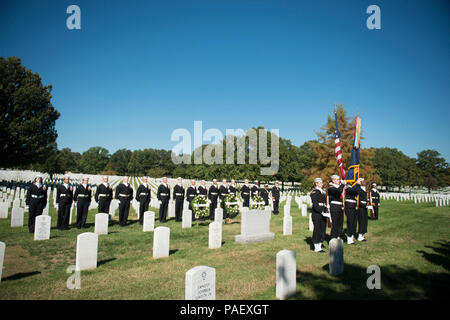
x: 192, y: 195
x: 124, y: 195
x: 178, y: 194
x: 164, y: 194
x: 38, y: 197
x: 64, y: 195
x: 143, y: 193
x: 83, y: 195
x: 321, y: 204
x: 103, y: 195
x: 363, y: 202
x: 214, y: 193
x: 350, y: 200
x: 336, y: 202
x: 246, y: 193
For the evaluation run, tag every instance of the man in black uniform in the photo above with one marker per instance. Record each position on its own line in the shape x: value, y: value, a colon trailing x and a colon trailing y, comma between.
x: 213, y: 193
x: 232, y: 187
x: 178, y: 195
x: 255, y: 189
x: 318, y: 198
x: 245, y: 194
x: 351, y: 194
x: 163, y: 196
x: 335, y: 202
x: 191, y: 193
x: 223, y: 191
x: 375, y: 199
x: 124, y: 193
x: 82, y: 197
x: 265, y: 194
x: 103, y: 196
x: 202, y: 189
x: 36, y: 201
x: 362, y: 212
x: 64, y: 198
x: 143, y: 195
x: 276, y: 197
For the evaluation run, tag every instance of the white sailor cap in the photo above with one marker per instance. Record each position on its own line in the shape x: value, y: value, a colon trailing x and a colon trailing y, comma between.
x: 361, y: 179
x: 105, y: 177
x: 85, y: 178
x: 374, y: 184
x: 38, y: 176
x: 318, y: 180
x: 66, y: 177
x: 179, y: 178
x: 334, y: 176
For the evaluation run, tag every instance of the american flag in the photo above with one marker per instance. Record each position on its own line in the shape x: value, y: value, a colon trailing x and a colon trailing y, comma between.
x: 337, y: 146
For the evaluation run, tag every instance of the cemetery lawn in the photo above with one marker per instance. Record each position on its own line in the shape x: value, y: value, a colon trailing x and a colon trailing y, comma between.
x: 410, y: 243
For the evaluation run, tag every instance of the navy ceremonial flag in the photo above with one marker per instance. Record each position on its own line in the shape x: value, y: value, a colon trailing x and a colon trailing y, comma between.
x: 353, y: 169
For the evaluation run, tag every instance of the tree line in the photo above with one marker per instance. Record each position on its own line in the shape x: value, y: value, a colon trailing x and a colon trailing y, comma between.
x: 28, y: 141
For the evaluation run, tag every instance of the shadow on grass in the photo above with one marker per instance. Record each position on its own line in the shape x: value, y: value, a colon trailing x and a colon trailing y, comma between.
x: 173, y: 251
x: 105, y: 261
x: 20, y: 275
x: 396, y: 283
x: 441, y: 257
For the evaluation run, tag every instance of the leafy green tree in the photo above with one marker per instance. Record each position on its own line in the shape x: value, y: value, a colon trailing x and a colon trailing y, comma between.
x: 27, y: 117
x: 119, y: 161
x: 94, y: 160
x: 70, y: 160
x: 53, y: 164
x: 433, y: 168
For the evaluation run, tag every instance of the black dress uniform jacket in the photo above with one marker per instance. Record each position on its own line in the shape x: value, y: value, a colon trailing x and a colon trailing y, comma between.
x: 83, y: 197
x: 125, y: 194
x: 245, y: 194
x: 64, y: 198
x: 163, y: 195
x: 103, y: 197
x: 318, y: 198
x: 36, y: 200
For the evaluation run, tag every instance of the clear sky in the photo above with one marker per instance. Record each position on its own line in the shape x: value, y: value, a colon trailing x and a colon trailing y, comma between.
x: 138, y: 70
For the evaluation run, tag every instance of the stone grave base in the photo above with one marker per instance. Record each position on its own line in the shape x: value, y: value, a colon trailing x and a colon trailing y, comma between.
x: 255, y: 238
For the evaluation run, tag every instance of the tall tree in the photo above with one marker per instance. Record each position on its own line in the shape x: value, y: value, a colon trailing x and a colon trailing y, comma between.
x: 119, y: 161
x: 27, y: 117
x: 94, y: 160
x: 433, y: 168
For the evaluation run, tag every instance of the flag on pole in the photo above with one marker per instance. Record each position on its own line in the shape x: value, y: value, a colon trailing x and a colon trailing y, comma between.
x: 337, y: 146
x: 353, y: 169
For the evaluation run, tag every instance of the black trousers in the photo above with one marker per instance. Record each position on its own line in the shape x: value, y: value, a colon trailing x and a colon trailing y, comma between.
x: 337, y: 222
x: 276, y: 203
x: 351, y: 214
x: 190, y: 208
x: 63, y: 214
x: 362, y: 220
x: 222, y: 205
x: 82, y: 212
x: 178, y: 208
x: 103, y: 205
x: 35, y: 209
x: 246, y: 202
x: 163, y: 210
x: 124, y: 210
x: 375, y: 211
x: 212, y: 209
x: 320, y: 227
x: 143, y: 206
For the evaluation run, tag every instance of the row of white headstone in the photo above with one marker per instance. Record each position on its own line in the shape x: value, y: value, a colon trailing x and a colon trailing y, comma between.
x: 439, y: 199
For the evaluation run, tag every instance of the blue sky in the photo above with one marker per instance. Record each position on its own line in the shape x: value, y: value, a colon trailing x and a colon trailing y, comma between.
x: 137, y: 70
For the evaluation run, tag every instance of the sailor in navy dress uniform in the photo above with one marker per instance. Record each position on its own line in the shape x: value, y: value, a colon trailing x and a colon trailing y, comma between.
x: 232, y: 187
x: 143, y: 195
x: 275, y: 197
x: 351, y: 202
x: 124, y: 193
x: 178, y: 195
x: 202, y: 190
x: 375, y: 197
x: 318, y: 198
x: 36, y: 200
x: 103, y: 196
x: 64, y: 199
x: 265, y: 194
x: 163, y: 196
x: 363, y: 220
x: 191, y: 193
x: 223, y: 191
x: 255, y: 189
x: 213, y: 194
x: 82, y: 196
x: 335, y: 202
x: 245, y: 194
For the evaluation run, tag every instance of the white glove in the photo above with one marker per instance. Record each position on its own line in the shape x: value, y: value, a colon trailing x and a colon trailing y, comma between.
x: 159, y: 201
x: 370, y: 207
x: 328, y: 207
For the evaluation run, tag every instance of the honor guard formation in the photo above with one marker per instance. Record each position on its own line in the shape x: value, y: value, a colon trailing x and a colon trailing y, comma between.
x: 327, y: 206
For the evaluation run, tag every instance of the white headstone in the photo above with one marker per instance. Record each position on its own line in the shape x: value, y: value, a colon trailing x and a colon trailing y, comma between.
x: 42, y: 226
x: 171, y: 209
x: 286, y: 281
x: 149, y: 221
x: 161, y: 242
x: 2, y: 257
x: 200, y: 283
x: 3, y: 210
x: 255, y: 227
x: 17, y: 217
x: 101, y: 223
x: 215, y: 235
x: 311, y: 224
x: 336, y: 256
x: 304, y: 210
x: 287, y: 225
x: 87, y: 245
x: 218, y: 215
x: 186, y: 219
x: 287, y: 210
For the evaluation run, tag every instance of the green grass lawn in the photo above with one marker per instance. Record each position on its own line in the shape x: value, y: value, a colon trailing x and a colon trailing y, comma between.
x: 410, y: 243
